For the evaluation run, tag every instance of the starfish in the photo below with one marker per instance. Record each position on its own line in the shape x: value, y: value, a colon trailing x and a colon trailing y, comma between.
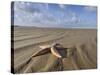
x: 56, y: 49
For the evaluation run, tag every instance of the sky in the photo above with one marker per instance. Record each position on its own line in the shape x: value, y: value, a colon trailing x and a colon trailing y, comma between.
x: 54, y: 15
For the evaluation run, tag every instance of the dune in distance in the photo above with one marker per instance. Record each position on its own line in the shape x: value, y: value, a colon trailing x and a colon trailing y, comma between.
x: 80, y: 52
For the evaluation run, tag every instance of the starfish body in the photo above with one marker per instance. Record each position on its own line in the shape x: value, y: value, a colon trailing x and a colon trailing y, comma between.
x: 49, y: 48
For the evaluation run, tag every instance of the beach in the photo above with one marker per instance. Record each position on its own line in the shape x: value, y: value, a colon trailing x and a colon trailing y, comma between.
x: 27, y: 40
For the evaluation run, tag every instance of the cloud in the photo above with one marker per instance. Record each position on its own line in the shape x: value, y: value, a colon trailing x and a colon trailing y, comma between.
x: 38, y: 14
x: 71, y: 19
x: 41, y: 17
x: 74, y: 18
x: 62, y: 6
x: 27, y: 13
x: 47, y: 6
x: 26, y: 6
x: 90, y: 8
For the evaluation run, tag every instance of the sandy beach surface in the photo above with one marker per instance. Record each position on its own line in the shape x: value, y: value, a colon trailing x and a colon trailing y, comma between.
x: 28, y: 39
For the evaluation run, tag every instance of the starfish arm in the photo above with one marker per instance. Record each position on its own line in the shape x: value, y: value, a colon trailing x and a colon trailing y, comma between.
x: 45, y: 46
x: 55, y: 52
x: 41, y: 52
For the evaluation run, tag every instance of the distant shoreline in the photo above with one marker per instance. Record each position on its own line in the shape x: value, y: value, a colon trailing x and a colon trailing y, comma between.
x: 55, y: 27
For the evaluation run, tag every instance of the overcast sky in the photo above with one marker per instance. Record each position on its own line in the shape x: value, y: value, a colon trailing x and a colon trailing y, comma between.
x: 54, y: 15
